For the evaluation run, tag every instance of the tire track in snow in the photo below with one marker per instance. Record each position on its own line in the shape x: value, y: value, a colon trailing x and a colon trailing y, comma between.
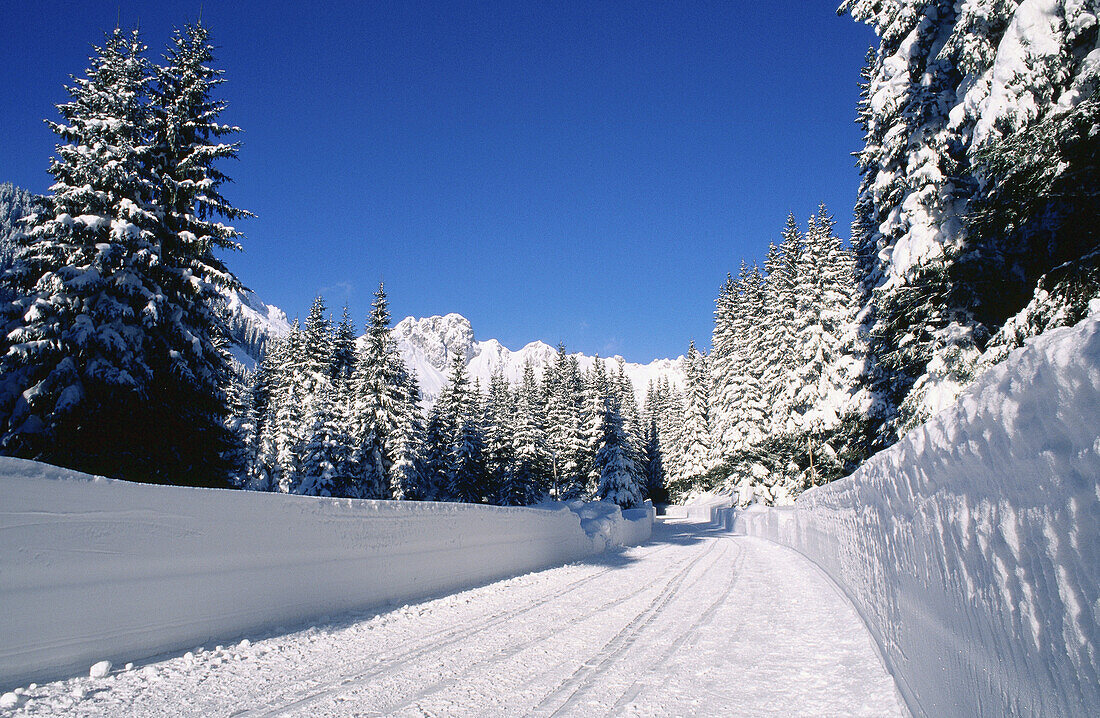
x: 300, y: 695
x: 572, y: 687
x: 686, y: 637
x: 509, y: 652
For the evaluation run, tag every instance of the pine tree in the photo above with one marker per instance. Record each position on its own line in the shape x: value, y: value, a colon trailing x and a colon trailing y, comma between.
x: 619, y: 481
x: 532, y: 467
x: 106, y: 338
x: 323, y: 464
x: 726, y: 359
x: 499, y: 450
x: 564, y: 430
x: 958, y: 217
x: 343, y: 348
x: 468, y: 474
x: 16, y: 204
x: 407, y: 472
x: 385, y: 414
x: 654, y: 466
x: 695, y: 442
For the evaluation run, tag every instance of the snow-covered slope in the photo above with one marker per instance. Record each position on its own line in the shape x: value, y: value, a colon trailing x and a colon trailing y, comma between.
x: 252, y: 324
x: 972, y: 547
x: 93, y: 569
x: 429, y: 344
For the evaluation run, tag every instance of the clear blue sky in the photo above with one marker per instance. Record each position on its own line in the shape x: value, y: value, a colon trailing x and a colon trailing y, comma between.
x: 584, y: 172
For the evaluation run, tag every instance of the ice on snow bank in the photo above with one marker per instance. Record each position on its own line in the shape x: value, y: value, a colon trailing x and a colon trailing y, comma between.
x: 93, y: 569
x: 972, y: 547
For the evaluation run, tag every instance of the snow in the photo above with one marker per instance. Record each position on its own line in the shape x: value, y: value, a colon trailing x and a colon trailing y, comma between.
x: 93, y: 569
x: 100, y: 670
x: 694, y: 622
x: 972, y: 547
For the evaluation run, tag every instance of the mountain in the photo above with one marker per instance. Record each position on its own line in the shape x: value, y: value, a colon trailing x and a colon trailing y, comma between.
x: 252, y: 324
x: 428, y: 344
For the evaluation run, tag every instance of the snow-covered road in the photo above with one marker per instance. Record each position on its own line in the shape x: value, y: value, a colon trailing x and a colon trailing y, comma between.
x: 697, y: 621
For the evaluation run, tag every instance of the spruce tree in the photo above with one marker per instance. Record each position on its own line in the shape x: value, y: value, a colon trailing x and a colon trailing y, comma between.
x: 532, y: 466
x: 109, y: 338
x: 385, y: 413
x: 619, y: 482
x: 695, y: 454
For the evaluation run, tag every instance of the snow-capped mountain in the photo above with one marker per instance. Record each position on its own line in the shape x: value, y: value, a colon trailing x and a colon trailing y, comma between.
x: 252, y: 323
x: 429, y: 344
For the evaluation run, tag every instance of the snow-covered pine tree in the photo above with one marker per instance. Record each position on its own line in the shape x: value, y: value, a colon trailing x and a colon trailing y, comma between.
x: 382, y: 409
x: 323, y: 463
x: 468, y: 476
x: 288, y: 410
x: 654, y: 466
x: 267, y: 388
x: 597, y: 391
x: 695, y: 442
x: 407, y: 473
x: 616, y: 462
x: 435, y: 453
x: 499, y: 449
x: 958, y: 217
x: 532, y: 465
x: 725, y: 366
x: 187, y: 345
x: 243, y: 421
x: 826, y: 291
x: 779, y: 340
x: 343, y: 348
x: 316, y: 337
x: 106, y: 338
x: 564, y: 430
x: 670, y: 427
x: 753, y: 325
x: 16, y: 204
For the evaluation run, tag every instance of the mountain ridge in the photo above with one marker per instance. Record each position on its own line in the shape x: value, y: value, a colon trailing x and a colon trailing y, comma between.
x: 428, y: 344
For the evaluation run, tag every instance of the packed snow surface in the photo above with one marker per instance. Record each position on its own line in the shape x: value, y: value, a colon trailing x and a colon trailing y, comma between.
x: 972, y: 547
x: 694, y: 622
x: 98, y: 570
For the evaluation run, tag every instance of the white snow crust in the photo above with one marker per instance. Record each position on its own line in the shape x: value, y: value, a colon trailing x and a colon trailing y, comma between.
x: 93, y: 569
x: 972, y: 547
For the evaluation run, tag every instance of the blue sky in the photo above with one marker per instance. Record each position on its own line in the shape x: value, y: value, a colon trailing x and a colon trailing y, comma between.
x: 581, y: 172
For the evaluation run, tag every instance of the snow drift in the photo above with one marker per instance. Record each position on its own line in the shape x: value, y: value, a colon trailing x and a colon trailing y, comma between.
x: 972, y: 547
x: 94, y: 569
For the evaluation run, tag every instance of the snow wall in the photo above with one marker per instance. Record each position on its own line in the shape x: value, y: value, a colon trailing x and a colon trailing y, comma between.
x: 972, y: 547
x: 94, y: 569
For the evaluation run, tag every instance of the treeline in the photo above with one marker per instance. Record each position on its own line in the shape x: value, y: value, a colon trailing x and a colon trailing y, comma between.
x: 975, y: 228
x: 769, y: 410
x: 327, y: 415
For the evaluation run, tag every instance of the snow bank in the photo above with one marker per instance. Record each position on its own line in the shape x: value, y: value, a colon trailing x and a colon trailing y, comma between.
x: 972, y: 547
x: 704, y: 507
x: 607, y: 525
x: 93, y: 569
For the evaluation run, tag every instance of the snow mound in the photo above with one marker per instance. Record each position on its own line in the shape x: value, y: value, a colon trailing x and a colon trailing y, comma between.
x: 972, y: 547
x: 93, y: 569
